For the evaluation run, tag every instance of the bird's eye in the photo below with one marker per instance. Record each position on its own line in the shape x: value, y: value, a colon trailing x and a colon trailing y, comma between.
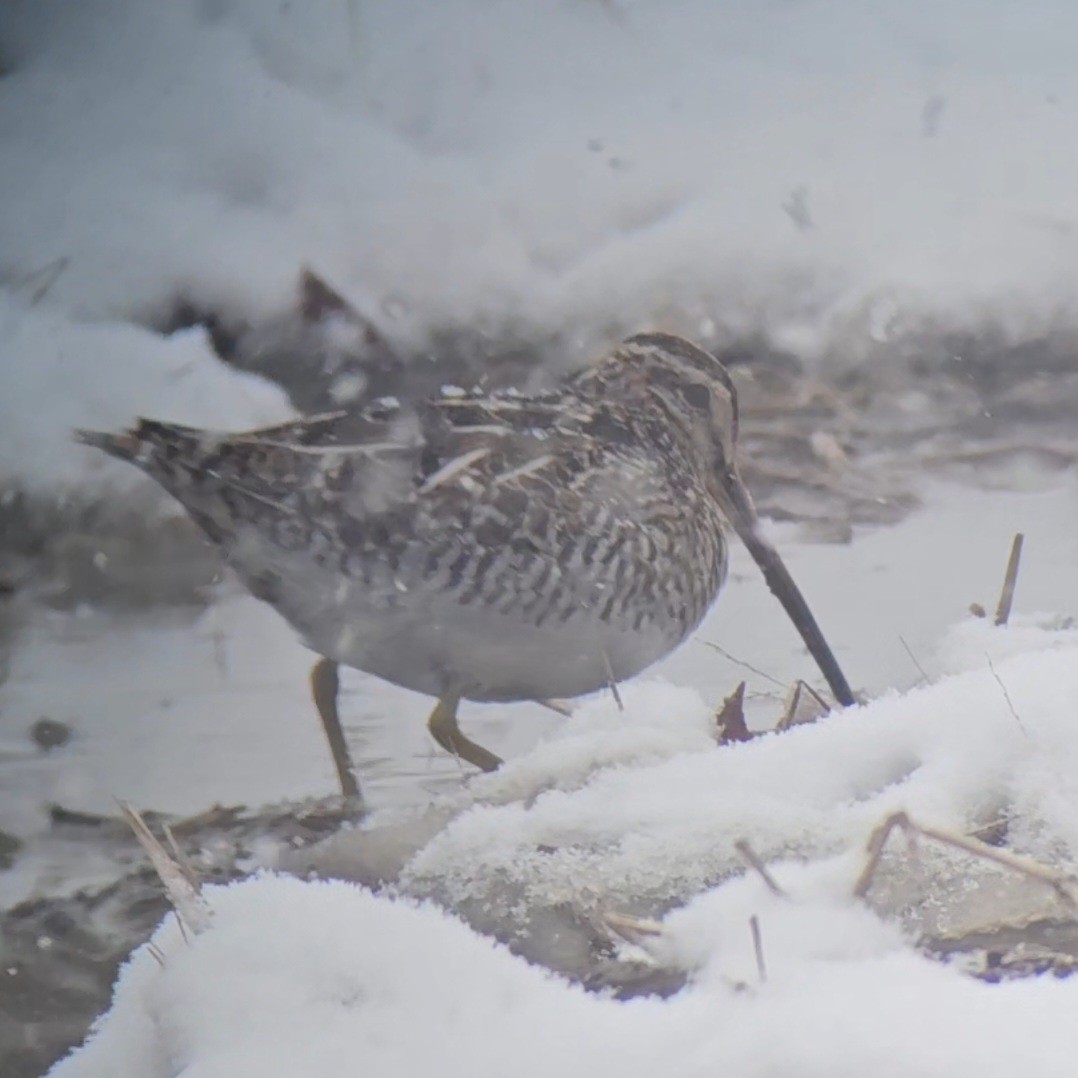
x: 698, y: 397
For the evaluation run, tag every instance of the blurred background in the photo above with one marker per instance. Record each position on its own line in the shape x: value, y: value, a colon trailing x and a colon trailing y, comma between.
x: 229, y: 212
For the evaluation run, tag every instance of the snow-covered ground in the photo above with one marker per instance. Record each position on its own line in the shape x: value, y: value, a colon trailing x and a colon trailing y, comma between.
x: 606, y: 811
x: 322, y: 979
x: 844, y: 180
x: 621, y: 810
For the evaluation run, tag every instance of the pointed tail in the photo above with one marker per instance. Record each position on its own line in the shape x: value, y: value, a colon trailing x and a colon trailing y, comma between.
x: 124, y: 446
x: 143, y: 442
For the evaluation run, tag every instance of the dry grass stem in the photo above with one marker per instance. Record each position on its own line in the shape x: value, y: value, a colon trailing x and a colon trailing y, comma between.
x: 1006, y: 596
x: 874, y: 849
x: 180, y: 857
x: 795, y: 713
x: 183, y: 892
x: 750, y: 857
x: 758, y: 948
x: 182, y: 927
x: 913, y: 659
x: 611, y: 684
x: 1062, y: 885
x: 741, y: 662
x: 632, y: 929
x: 560, y: 706
x: 636, y: 931
x: 1006, y: 695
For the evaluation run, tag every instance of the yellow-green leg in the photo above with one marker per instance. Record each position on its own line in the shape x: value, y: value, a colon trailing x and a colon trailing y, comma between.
x: 325, y: 684
x: 446, y: 731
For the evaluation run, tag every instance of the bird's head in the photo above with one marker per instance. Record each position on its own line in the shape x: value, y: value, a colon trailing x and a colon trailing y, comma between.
x: 690, y: 397
x: 693, y: 401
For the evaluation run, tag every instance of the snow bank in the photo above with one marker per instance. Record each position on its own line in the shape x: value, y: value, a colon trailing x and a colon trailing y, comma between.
x: 299, y: 978
x: 59, y: 374
x: 306, y: 979
x: 656, y: 825
x: 590, y: 161
x: 832, y: 174
x: 403, y: 990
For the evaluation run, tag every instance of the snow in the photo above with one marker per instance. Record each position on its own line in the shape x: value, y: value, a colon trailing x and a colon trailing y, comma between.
x: 59, y: 375
x: 829, y: 173
x: 661, y: 828
x: 404, y: 149
x: 832, y: 175
x: 633, y: 811
x: 309, y: 977
x: 407, y: 990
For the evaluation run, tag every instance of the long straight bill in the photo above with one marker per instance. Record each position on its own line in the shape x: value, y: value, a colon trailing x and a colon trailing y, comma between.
x: 742, y: 515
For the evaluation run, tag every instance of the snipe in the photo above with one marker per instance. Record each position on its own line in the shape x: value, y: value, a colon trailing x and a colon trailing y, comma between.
x: 487, y: 546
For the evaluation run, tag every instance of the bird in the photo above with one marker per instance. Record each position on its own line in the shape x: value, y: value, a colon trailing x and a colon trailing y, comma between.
x: 487, y: 545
